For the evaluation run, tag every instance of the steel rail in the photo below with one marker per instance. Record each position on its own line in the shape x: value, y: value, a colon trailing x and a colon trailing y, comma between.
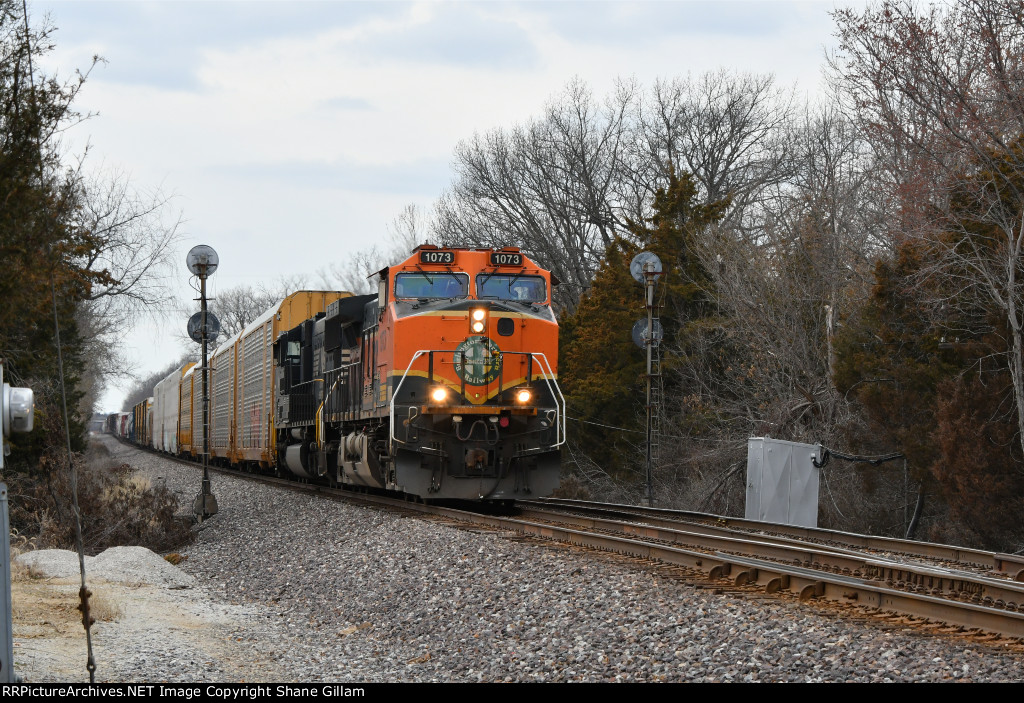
x: 954, y: 583
x: 806, y: 582
x: 1010, y: 564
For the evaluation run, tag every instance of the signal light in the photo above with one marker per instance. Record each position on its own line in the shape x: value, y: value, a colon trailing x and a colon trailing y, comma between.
x: 439, y: 394
x: 523, y: 395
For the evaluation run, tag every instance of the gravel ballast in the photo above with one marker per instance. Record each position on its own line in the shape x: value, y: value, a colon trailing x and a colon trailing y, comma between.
x: 298, y: 588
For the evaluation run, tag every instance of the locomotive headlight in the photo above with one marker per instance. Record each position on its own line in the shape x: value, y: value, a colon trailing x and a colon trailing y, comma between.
x: 523, y: 395
x: 478, y: 320
x: 439, y: 394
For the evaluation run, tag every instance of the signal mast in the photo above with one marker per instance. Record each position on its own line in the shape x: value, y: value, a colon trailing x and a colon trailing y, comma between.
x: 647, y: 334
x: 204, y: 326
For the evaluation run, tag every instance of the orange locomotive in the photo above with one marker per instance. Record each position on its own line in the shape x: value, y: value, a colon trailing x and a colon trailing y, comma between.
x: 442, y: 385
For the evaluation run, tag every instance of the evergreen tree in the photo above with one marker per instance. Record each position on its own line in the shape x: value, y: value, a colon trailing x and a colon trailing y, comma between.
x: 927, y: 358
x: 890, y: 360
x: 45, y: 251
x: 601, y: 370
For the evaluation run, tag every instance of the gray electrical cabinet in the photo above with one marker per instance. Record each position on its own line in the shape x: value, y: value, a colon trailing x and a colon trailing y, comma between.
x: 782, y: 481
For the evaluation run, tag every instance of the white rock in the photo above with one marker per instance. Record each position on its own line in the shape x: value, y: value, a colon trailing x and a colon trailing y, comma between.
x: 116, y: 565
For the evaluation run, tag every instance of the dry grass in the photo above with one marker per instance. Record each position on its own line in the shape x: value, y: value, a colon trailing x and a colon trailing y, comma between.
x: 137, y: 484
x: 20, y: 572
x: 117, y: 507
x: 34, y: 572
x: 104, y: 608
x: 42, y: 606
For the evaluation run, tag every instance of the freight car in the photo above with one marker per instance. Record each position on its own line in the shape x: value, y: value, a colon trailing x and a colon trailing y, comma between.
x: 442, y: 384
x: 166, y: 396
x: 123, y: 425
x: 142, y: 423
x: 241, y: 388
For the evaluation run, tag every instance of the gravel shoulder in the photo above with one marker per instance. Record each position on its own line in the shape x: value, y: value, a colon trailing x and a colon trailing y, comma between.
x: 145, y: 633
x: 288, y: 587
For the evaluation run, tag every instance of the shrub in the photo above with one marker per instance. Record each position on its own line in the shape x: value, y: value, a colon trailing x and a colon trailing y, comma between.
x: 117, y: 509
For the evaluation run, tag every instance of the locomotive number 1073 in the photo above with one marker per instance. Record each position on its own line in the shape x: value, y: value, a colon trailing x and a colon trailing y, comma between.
x: 501, y: 258
x: 437, y: 257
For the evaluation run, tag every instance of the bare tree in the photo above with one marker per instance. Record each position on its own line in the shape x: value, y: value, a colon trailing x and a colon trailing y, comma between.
x: 939, y: 92
x: 550, y: 187
x: 238, y: 306
x: 136, y: 234
x: 565, y: 185
x: 733, y: 132
x: 409, y: 228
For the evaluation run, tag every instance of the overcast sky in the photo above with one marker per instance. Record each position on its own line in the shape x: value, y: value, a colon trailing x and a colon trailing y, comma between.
x: 292, y: 132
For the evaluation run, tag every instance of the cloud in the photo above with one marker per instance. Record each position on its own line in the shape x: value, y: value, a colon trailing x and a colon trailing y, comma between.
x: 637, y: 23
x: 345, y: 103
x: 162, y: 44
x: 412, y: 179
x: 460, y: 34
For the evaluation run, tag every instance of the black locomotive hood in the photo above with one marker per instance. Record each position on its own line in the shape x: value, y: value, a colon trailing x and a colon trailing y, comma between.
x: 350, y: 309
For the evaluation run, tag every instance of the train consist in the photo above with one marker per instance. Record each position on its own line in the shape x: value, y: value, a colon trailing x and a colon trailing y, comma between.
x: 442, y: 385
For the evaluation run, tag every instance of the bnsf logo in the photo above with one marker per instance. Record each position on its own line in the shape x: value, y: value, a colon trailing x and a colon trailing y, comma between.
x: 437, y: 257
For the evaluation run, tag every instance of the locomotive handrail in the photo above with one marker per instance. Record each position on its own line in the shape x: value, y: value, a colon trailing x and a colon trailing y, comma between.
x: 343, y: 373
x: 394, y: 393
x: 560, y: 414
x: 549, y: 379
x: 318, y: 416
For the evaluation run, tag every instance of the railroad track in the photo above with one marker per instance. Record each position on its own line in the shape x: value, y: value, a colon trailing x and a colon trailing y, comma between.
x: 1011, y: 565
x: 943, y: 585
x: 966, y: 588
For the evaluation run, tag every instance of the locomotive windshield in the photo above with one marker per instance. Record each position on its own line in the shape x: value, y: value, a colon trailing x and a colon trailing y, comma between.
x: 440, y: 284
x: 502, y: 286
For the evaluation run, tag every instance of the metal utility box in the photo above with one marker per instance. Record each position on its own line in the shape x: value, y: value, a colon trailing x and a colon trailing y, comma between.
x: 782, y: 481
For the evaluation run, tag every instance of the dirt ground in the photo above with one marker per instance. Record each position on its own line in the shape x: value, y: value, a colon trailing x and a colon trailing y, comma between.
x: 48, y: 633
x: 143, y: 633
